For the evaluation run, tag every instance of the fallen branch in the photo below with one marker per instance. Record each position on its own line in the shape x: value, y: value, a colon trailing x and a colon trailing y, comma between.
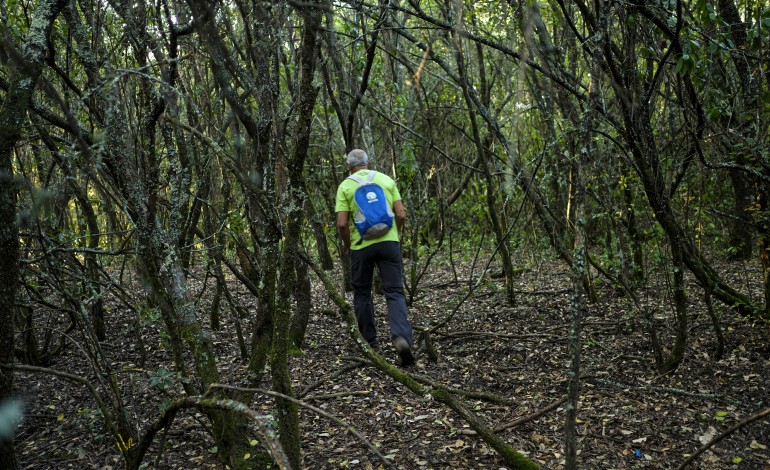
x: 532, y: 417
x: 318, y: 383
x: 486, y: 396
x: 524, y: 419
x: 651, y: 388
x: 332, y: 396
x: 510, y: 456
x: 490, y: 334
x: 352, y: 430
x: 713, y: 442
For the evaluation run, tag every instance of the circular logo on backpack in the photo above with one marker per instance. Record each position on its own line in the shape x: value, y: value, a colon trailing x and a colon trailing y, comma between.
x: 371, y: 196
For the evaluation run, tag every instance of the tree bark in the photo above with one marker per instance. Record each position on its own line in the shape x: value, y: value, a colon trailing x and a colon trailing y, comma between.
x: 288, y: 413
x: 13, y: 113
x: 579, y: 255
x: 303, y: 305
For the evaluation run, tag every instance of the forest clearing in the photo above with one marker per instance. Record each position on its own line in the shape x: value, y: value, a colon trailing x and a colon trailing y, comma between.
x: 567, y: 204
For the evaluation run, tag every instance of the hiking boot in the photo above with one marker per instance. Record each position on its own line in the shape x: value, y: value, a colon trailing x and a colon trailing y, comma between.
x: 404, y: 351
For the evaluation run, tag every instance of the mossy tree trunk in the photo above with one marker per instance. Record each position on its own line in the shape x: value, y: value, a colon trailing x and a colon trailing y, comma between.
x: 294, y: 199
x: 13, y: 113
x: 160, y: 217
x: 676, y: 356
x: 302, y: 306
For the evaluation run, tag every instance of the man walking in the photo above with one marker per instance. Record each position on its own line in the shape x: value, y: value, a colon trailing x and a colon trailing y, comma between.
x: 381, y: 248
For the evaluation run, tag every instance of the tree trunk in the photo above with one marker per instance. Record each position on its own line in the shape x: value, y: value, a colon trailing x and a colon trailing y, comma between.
x: 303, y: 305
x: 637, y: 253
x: 749, y: 134
x: 579, y: 258
x: 764, y: 246
x: 676, y: 355
x: 13, y: 114
x: 501, y: 236
x: 741, y: 235
x: 288, y: 413
x: 92, y: 264
x: 322, y: 245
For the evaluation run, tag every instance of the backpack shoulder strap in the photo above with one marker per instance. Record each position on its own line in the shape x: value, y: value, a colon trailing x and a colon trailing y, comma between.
x: 361, y: 181
x: 356, y: 179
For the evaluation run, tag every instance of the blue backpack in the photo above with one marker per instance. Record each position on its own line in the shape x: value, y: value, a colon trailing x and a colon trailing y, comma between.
x: 374, y: 217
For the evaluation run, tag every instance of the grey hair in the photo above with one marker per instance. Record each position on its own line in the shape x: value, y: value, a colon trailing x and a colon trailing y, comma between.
x: 357, y: 157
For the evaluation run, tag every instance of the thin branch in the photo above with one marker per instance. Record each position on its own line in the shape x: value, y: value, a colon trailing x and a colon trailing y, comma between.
x: 651, y: 388
x: 315, y: 409
x: 268, y: 435
x: 713, y: 442
x: 525, y: 419
x: 333, y: 376
x: 75, y: 378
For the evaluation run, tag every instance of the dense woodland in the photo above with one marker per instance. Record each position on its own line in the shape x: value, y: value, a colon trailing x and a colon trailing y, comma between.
x: 588, y: 240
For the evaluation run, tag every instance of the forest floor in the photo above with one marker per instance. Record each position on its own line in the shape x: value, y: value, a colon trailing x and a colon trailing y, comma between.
x: 629, y: 416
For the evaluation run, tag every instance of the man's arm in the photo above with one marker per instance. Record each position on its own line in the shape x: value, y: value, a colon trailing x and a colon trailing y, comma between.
x: 343, y: 230
x: 399, y: 211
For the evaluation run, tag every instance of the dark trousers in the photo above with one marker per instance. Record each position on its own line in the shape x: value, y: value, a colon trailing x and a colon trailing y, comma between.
x: 387, y: 256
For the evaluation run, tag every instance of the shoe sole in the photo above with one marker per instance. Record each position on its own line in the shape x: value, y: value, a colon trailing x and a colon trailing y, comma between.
x: 404, y: 351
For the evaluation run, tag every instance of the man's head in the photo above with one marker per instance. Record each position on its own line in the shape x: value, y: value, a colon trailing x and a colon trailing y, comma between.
x: 357, y: 158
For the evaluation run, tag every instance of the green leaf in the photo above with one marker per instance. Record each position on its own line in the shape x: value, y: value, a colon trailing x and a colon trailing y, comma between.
x: 213, y: 450
x: 737, y: 460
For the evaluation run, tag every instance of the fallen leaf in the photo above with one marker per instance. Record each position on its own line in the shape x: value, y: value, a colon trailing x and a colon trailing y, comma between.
x: 708, y: 436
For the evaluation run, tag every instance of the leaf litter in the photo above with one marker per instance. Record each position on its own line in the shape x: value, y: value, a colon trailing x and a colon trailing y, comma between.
x: 508, y: 361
